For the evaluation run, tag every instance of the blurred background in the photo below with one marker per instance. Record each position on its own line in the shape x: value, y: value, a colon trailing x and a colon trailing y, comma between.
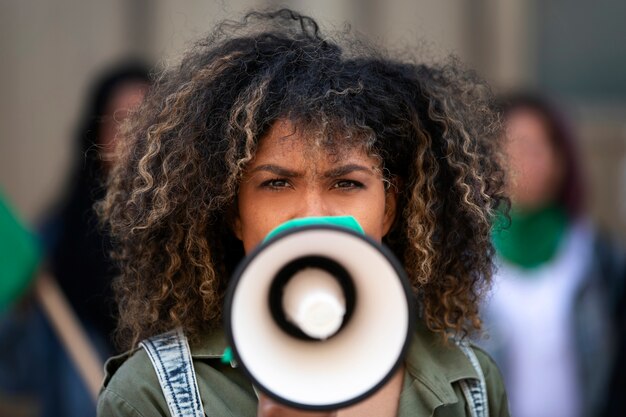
x: 572, y: 50
x: 56, y: 53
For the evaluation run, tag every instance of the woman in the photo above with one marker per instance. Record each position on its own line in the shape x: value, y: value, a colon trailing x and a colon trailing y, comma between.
x: 559, y: 291
x: 267, y: 121
x: 77, y: 251
x: 33, y: 362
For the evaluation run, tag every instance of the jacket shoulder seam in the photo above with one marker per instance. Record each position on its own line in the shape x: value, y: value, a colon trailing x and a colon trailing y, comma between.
x: 106, y: 391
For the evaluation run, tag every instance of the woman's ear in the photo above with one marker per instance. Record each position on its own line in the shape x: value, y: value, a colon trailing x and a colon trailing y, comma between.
x: 236, y: 226
x: 391, y: 203
x: 234, y: 221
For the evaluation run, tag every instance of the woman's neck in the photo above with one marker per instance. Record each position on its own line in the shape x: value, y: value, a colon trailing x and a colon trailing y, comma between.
x: 383, y: 403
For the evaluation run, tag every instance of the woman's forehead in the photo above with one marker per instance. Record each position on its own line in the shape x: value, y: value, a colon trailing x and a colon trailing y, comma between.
x: 286, y: 139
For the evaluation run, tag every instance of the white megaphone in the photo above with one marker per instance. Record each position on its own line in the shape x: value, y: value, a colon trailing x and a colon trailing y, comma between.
x: 319, y: 316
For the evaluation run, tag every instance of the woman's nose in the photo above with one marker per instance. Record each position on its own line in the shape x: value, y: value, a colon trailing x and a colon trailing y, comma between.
x: 313, y: 204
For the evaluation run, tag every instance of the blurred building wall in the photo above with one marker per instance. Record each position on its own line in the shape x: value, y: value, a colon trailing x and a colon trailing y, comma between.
x: 52, y: 49
x: 49, y: 52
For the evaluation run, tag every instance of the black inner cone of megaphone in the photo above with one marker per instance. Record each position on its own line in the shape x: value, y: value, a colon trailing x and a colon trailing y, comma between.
x: 288, y: 271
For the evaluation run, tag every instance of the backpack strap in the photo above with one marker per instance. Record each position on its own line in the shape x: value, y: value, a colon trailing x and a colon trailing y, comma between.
x: 474, y: 390
x: 171, y: 358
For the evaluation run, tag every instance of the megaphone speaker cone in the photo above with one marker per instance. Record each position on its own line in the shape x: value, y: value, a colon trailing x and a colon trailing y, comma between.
x: 314, y: 302
x: 312, y: 297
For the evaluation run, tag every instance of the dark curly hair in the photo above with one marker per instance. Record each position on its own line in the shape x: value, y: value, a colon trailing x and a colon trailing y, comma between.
x: 170, y: 199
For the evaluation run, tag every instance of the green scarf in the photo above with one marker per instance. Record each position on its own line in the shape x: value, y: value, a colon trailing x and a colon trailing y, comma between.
x: 532, y: 238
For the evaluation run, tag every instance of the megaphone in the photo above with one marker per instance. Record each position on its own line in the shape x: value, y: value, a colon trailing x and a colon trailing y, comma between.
x: 319, y: 316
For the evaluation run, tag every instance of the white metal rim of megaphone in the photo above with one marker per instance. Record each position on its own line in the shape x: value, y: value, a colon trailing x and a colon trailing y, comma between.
x: 246, y: 340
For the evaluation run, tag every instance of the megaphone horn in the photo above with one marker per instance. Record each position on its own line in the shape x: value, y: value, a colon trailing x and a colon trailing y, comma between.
x: 319, y: 316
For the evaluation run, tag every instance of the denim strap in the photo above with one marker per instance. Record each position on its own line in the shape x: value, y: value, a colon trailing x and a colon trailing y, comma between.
x: 475, y: 390
x: 171, y: 358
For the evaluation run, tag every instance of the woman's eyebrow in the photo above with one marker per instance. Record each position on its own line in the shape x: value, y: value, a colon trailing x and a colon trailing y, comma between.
x: 332, y: 173
x: 277, y: 170
x: 347, y: 169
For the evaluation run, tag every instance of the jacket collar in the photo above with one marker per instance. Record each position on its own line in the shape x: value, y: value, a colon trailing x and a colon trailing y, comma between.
x: 432, y: 366
x: 211, y: 346
x: 435, y: 365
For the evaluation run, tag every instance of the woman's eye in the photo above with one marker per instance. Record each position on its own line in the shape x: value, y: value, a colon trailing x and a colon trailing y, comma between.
x: 275, y: 183
x: 348, y: 184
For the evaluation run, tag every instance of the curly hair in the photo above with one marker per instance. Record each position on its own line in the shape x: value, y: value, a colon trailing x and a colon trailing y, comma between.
x: 171, y: 197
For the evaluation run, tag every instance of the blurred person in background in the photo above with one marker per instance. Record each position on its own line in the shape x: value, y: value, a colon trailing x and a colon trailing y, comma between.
x: 553, y: 319
x: 77, y: 250
x: 33, y: 362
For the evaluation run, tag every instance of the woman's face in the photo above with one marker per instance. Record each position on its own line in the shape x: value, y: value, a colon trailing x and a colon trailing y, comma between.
x: 125, y: 98
x: 291, y: 177
x: 536, y: 168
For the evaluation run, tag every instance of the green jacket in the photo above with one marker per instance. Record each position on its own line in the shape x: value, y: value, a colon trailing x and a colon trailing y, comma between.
x: 431, y: 378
